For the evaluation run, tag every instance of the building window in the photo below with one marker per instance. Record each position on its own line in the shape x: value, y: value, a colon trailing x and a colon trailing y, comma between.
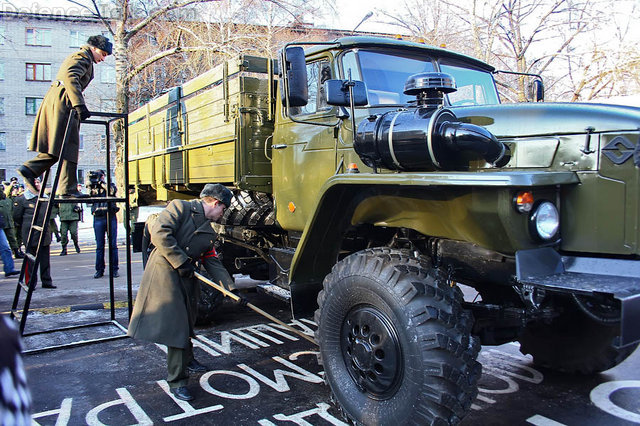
x: 38, y: 72
x: 108, y: 75
x: 81, y: 142
x: 77, y: 38
x: 38, y: 36
x: 81, y: 176
x: 1, y: 106
x: 3, y: 141
x: 3, y: 175
x: 32, y: 105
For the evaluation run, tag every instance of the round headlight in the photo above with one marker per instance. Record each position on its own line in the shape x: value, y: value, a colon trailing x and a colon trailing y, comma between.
x: 545, y: 220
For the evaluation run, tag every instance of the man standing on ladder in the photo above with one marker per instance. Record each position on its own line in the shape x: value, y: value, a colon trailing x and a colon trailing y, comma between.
x: 47, y: 136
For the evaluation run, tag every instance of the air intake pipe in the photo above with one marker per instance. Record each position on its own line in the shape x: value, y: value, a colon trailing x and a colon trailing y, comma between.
x: 425, y: 136
x: 425, y: 139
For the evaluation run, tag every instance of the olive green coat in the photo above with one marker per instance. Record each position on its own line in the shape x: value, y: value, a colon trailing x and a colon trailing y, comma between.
x: 68, y: 211
x: 75, y: 74
x: 166, y: 304
x: 6, y: 208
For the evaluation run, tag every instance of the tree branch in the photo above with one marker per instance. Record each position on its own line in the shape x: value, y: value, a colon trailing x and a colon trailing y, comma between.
x: 163, y: 10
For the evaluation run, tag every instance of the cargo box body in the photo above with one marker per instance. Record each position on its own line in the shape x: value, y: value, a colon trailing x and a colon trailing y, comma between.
x: 211, y: 129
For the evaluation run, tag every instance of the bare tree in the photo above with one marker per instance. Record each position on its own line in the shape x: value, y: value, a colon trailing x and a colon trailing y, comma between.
x: 161, y: 43
x: 607, y: 63
x: 550, y: 37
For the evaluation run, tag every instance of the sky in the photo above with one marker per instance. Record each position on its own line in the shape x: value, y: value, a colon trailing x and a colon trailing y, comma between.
x: 351, y: 12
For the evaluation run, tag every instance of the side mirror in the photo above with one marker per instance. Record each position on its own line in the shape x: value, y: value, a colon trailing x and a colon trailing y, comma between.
x: 337, y: 92
x: 295, y: 68
x: 537, y: 90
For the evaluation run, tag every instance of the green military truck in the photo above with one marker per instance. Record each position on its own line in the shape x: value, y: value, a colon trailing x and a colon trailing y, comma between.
x: 376, y: 178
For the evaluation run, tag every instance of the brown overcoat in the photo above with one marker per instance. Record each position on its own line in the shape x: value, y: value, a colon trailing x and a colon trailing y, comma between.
x: 166, y: 304
x: 74, y: 75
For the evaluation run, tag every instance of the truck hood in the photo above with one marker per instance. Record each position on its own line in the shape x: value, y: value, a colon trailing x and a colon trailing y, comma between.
x: 545, y: 119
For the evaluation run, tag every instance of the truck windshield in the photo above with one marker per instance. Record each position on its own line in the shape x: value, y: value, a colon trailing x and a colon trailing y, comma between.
x: 385, y: 75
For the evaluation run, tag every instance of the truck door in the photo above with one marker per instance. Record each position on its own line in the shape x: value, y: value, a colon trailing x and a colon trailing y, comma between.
x: 303, y: 151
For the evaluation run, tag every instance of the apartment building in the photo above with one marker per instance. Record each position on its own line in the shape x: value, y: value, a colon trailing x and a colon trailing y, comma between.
x: 32, y: 48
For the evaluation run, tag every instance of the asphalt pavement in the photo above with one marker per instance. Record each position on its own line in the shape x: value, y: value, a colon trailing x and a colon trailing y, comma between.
x: 260, y: 373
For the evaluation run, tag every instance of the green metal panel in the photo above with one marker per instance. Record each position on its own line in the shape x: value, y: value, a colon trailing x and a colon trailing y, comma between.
x: 476, y: 208
x: 213, y: 129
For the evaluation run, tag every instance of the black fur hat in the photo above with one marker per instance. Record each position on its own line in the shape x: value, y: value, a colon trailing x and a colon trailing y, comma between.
x: 101, y: 42
x: 217, y: 191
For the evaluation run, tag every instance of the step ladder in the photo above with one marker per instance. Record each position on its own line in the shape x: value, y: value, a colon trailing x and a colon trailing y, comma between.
x: 27, y: 281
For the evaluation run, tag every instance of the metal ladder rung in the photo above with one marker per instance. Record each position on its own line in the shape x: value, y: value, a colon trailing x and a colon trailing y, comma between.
x: 37, y: 227
x: 23, y: 285
x: 17, y: 315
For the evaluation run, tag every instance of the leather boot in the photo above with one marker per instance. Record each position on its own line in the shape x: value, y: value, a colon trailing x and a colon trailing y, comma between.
x: 75, y: 243
x: 64, y: 251
x: 18, y: 254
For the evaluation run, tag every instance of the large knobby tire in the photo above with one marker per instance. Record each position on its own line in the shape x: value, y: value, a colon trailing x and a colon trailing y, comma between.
x: 395, y: 342
x: 574, y: 343
x: 250, y: 209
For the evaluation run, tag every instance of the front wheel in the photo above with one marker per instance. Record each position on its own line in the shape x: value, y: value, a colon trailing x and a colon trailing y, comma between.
x: 395, y: 341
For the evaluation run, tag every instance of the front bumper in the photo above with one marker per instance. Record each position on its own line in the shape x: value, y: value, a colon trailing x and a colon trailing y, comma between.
x: 547, y: 269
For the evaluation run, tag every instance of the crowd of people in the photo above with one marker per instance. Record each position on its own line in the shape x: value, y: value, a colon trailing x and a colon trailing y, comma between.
x: 17, y: 206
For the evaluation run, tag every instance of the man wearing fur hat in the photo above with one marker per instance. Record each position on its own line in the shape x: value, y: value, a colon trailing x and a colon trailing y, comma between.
x: 64, y: 95
x: 167, y: 300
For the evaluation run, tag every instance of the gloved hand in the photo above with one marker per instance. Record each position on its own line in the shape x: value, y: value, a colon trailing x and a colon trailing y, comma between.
x: 82, y: 111
x: 186, y: 270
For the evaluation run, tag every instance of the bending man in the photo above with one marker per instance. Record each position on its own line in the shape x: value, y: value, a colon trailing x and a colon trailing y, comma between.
x: 167, y: 301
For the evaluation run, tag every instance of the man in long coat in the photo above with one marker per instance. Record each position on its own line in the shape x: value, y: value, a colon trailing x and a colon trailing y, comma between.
x: 167, y: 300
x: 23, y: 210
x: 64, y: 95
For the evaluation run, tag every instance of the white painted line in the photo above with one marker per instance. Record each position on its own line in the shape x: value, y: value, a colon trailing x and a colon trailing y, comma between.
x: 539, y: 420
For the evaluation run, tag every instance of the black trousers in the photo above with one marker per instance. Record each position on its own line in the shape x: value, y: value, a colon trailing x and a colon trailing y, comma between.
x: 45, y: 265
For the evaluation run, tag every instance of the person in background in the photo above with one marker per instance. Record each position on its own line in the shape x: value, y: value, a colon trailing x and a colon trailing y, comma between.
x: 23, y: 211
x: 103, y: 212
x: 5, y: 251
x: 167, y: 301
x: 64, y: 95
x: 6, y: 209
x: 16, y: 192
x: 53, y: 225
x: 70, y: 215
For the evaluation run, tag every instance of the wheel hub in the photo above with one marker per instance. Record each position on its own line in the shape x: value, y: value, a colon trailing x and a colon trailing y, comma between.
x: 371, y: 351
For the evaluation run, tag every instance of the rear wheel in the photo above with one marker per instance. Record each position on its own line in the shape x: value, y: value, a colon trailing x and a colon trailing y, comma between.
x: 395, y: 342
x: 574, y: 343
